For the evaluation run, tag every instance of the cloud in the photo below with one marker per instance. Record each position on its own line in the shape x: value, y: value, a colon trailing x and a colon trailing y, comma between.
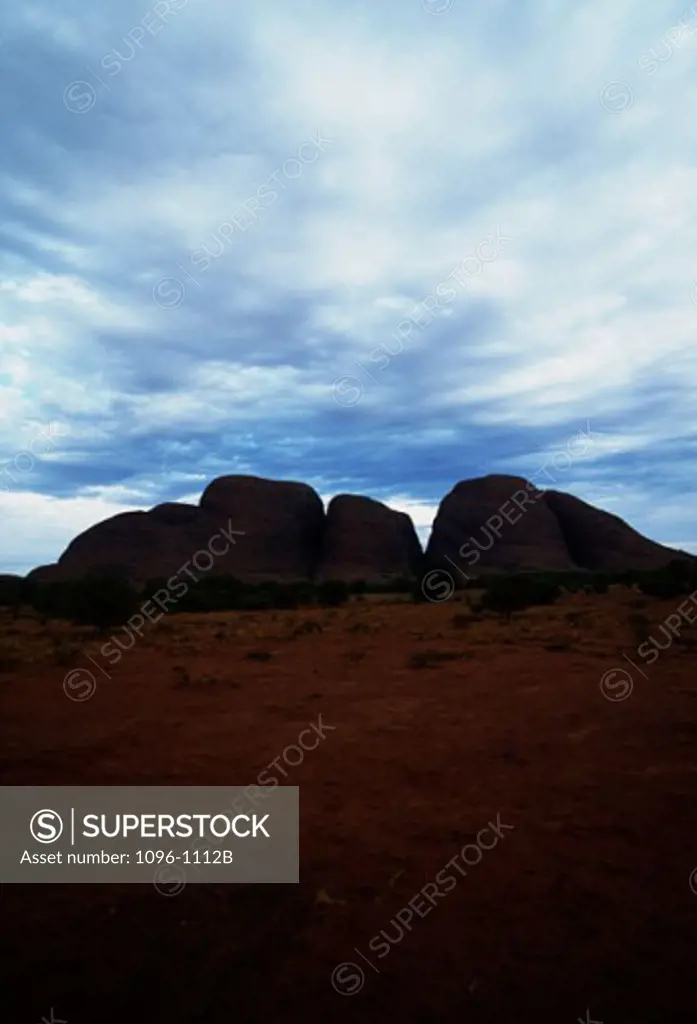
x: 174, y: 145
x: 46, y: 526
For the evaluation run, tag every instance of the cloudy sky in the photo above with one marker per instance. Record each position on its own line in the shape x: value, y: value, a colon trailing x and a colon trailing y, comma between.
x: 375, y: 246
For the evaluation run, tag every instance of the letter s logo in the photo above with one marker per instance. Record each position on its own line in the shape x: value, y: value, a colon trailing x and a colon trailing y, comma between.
x: 46, y: 826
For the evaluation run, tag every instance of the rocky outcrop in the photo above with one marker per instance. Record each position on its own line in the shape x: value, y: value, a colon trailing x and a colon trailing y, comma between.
x: 504, y: 523
x: 282, y: 523
x: 278, y: 530
x: 136, y: 545
x: 496, y: 523
x: 275, y: 533
x: 602, y: 541
x: 366, y: 540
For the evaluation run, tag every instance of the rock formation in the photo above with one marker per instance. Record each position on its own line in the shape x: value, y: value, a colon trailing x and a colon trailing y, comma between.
x: 493, y: 523
x: 496, y: 523
x: 602, y: 541
x: 504, y: 523
x: 137, y: 545
x: 282, y: 524
x: 366, y: 540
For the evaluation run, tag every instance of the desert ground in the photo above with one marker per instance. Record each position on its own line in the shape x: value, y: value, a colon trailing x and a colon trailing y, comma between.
x: 437, y: 721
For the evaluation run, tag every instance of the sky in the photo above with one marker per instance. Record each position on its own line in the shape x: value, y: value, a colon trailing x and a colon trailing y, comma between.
x: 378, y: 247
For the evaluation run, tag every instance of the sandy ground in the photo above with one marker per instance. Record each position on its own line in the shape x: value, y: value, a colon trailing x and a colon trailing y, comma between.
x: 581, y: 909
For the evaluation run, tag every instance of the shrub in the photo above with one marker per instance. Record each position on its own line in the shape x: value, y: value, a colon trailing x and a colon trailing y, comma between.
x: 559, y: 643
x: 333, y: 593
x: 96, y: 600
x: 400, y: 585
x: 675, y: 579
x: 431, y: 658
x: 50, y: 600
x: 64, y: 652
x: 599, y: 584
x: 14, y: 591
x: 103, y: 602
x: 258, y: 655
x: 508, y: 594
x: 305, y: 593
x: 309, y: 626
x: 182, y: 679
x: 387, y: 585
x: 572, y: 584
x: 359, y: 627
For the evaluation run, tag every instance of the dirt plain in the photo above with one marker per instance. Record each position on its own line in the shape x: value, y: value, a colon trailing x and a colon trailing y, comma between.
x: 437, y: 721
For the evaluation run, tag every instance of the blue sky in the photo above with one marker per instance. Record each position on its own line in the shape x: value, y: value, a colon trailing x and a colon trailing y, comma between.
x: 375, y: 246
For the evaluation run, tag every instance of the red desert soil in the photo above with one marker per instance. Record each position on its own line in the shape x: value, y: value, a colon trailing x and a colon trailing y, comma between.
x: 584, y: 905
